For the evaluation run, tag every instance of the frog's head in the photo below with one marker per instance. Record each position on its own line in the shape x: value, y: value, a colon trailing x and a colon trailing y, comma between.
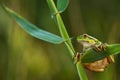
x: 85, y: 38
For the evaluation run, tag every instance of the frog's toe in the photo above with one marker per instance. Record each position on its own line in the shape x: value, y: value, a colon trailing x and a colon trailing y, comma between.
x: 104, y: 46
x: 98, y: 49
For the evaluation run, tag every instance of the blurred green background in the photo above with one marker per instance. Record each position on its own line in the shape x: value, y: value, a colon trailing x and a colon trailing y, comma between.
x: 23, y: 57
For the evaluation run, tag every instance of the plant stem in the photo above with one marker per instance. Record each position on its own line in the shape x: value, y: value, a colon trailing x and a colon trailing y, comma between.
x: 81, y: 71
x: 66, y: 37
x: 61, y: 26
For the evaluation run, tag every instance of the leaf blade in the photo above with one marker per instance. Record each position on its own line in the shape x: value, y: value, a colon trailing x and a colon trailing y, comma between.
x: 62, y: 5
x: 91, y: 55
x: 33, y: 30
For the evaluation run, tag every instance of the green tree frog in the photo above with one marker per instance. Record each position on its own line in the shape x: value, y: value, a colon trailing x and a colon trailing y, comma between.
x: 88, y: 41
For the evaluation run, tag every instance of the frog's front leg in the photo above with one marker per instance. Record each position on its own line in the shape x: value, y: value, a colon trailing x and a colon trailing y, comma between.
x: 101, y: 47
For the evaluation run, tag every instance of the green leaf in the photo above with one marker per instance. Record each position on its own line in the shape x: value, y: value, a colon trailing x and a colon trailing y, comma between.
x: 62, y: 5
x: 33, y: 30
x: 92, y: 55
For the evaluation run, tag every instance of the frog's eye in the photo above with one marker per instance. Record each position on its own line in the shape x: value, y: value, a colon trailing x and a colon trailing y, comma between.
x: 85, y: 35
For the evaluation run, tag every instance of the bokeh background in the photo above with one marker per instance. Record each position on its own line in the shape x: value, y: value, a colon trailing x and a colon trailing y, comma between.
x: 23, y: 57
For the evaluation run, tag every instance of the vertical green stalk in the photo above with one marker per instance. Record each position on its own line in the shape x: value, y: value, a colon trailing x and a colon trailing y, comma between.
x: 66, y: 37
x: 61, y: 26
x: 81, y: 71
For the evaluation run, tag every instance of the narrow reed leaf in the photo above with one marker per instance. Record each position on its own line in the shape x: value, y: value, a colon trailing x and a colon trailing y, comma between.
x: 33, y: 30
x: 92, y: 55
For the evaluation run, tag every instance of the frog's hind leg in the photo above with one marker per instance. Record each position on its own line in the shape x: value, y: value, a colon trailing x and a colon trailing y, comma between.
x: 110, y: 59
x: 76, y: 57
